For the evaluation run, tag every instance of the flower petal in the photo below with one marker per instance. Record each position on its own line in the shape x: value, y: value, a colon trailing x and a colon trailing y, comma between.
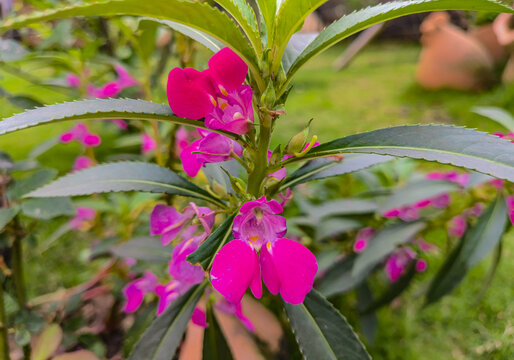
x: 228, y: 69
x: 190, y: 161
x: 296, y: 268
x: 269, y: 273
x: 233, y: 269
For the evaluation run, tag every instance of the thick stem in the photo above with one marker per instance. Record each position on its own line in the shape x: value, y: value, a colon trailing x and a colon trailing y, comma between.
x: 4, y: 340
x: 259, y: 173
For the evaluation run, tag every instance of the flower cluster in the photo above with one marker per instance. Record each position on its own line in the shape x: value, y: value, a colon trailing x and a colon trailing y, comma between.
x: 218, y: 95
x: 286, y: 266
x: 81, y: 134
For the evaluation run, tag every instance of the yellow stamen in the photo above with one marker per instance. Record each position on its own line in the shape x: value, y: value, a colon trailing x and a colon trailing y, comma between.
x: 254, y: 238
x: 223, y: 105
x: 213, y: 101
x: 268, y: 246
x: 306, y: 150
x: 223, y: 90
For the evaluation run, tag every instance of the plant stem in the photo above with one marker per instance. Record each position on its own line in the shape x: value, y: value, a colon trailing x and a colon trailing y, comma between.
x: 261, y: 163
x: 155, y: 125
x: 4, y: 339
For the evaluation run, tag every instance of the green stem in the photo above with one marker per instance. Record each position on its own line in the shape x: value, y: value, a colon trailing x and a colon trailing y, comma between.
x: 4, y: 340
x: 17, y: 270
x: 257, y: 176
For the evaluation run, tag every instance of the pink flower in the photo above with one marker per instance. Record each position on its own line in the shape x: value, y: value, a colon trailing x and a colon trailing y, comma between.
x: 199, y: 318
x: 124, y: 78
x: 81, y: 134
x: 441, y: 201
x: 210, y: 148
x: 81, y: 163
x: 361, y: 240
x: 111, y: 89
x: 286, y: 266
x: 83, y: 215
x: 425, y: 246
x: 453, y: 176
x: 397, y: 263
x: 286, y: 198
x: 168, y: 222
x: 406, y: 213
x: 235, y: 309
x: 147, y: 143
x: 120, y: 123
x: 421, y: 265
x: 183, y: 138
x: 497, y: 183
x: 216, y: 94
x: 73, y: 80
x: 457, y: 226
x: 510, y: 207
x: 136, y: 290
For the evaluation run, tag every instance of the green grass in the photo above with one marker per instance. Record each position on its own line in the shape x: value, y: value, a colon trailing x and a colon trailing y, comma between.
x: 376, y: 91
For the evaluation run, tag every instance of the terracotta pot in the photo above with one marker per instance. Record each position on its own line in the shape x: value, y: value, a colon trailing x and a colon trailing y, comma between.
x: 451, y: 58
x: 487, y: 37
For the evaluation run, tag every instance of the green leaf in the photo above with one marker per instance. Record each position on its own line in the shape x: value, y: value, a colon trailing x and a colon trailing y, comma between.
x: 334, y: 226
x: 477, y: 243
x: 458, y: 146
x: 143, y: 248
x: 323, y: 168
x: 11, y: 50
x: 339, y: 279
x: 502, y: 117
x: 204, y: 255
x: 416, y: 191
x: 322, y: 332
x: 161, y: 339
x: 208, y: 41
x: 360, y: 20
x: 215, y: 345
x: 147, y: 38
x: 196, y: 14
x: 23, y: 186
x: 123, y: 176
x: 47, y: 342
x: 47, y: 208
x: 98, y: 109
x: 347, y: 206
x: 243, y: 13
x: 6, y: 215
x: 268, y: 9
x: 384, y: 243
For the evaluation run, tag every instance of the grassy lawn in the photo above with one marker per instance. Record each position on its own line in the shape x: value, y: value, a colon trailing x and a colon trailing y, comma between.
x: 378, y: 90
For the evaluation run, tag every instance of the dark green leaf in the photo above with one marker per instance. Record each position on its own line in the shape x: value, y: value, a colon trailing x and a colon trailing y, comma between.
x: 6, y: 215
x: 339, y: 279
x: 383, y: 243
x: 161, y: 339
x: 416, y: 191
x: 323, y: 168
x: 143, y: 248
x: 205, y: 253
x: 24, y: 102
x: 322, y: 332
x: 360, y: 20
x: 368, y: 322
x: 123, y: 176
x: 196, y: 14
x: 23, y: 186
x: 47, y: 208
x: 445, y: 144
x: 477, y: 243
x: 97, y: 109
x: 502, y: 117
x: 6, y: 161
x: 215, y: 345
x: 11, y: 50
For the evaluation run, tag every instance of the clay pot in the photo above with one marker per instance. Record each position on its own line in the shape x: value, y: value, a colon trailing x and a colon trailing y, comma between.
x: 451, y: 58
x: 487, y: 37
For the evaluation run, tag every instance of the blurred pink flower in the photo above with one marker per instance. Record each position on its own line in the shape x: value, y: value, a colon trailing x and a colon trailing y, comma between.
x: 136, y: 290
x: 361, y: 240
x: 398, y: 262
x: 457, y: 226
x: 81, y: 133
x: 421, y: 265
x: 148, y: 143
x: 83, y: 215
x: 510, y: 207
x: 81, y: 163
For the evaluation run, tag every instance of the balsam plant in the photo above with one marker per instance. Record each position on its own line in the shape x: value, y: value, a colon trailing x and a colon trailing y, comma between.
x: 234, y: 105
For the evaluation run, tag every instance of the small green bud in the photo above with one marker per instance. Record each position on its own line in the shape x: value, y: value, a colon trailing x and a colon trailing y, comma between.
x: 269, y: 98
x: 298, y: 141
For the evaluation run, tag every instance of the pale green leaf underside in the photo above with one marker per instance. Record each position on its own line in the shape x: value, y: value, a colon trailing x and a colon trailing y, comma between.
x: 123, y: 176
x: 457, y: 146
x: 196, y: 14
x: 360, y: 20
x: 96, y: 110
x: 322, y: 332
x: 502, y: 117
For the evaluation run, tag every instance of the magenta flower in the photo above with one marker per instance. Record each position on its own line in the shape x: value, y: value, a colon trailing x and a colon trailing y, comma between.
x: 210, y: 148
x: 406, y: 213
x: 124, y: 79
x: 510, y: 207
x: 81, y: 133
x: 120, y: 123
x: 216, y: 94
x: 286, y: 266
x: 81, y: 163
x: 148, y: 143
x: 457, y: 226
x: 234, y: 309
x: 168, y: 222
x: 183, y: 139
x: 136, y: 290
x: 453, y: 176
x: 83, y: 215
x: 362, y: 239
x: 421, y: 265
x: 73, y: 80
x: 199, y: 318
x: 111, y: 89
x: 285, y: 198
x: 398, y: 262
x: 441, y: 201
x: 497, y: 183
